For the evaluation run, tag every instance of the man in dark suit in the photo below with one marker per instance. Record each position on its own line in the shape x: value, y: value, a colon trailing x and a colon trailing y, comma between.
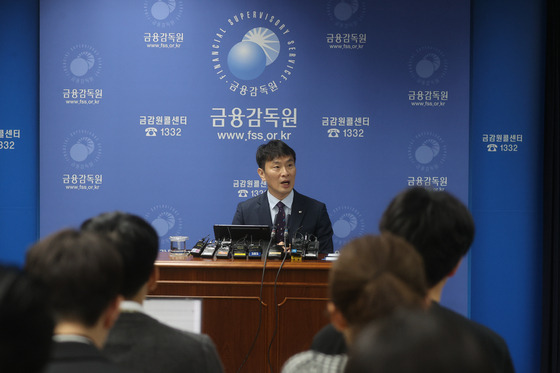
x: 83, y: 274
x: 441, y: 228
x: 138, y: 341
x: 302, y: 215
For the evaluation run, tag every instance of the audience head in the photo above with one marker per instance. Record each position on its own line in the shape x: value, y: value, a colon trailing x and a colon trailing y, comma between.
x: 436, y: 223
x: 137, y: 242
x: 373, y: 276
x: 83, y: 272
x: 272, y: 150
x: 26, y: 325
x: 415, y: 341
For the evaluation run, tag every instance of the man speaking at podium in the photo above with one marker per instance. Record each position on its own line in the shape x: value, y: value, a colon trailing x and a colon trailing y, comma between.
x: 281, y: 205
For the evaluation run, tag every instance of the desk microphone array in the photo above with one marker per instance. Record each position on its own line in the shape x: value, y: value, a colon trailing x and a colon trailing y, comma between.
x: 302, y: 247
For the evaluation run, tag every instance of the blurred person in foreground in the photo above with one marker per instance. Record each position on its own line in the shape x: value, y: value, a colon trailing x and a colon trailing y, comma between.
x: 83, y: 273
x: 441, y: 229
x: 411, y: 341
x: 138, y: 341
x: 26, y: 324
x: 373, y: 277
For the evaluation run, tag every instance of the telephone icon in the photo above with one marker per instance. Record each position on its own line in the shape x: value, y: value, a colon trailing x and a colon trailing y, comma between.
x: 151, y: 131
x: 492, y: 147
x: 333, y: 132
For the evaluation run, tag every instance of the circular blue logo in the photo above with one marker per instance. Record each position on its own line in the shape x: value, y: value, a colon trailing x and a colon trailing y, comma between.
x: 346, y: 13
x: 254, y: 54
x: 166, y: 221
x: 427, y: 151
x: 82, y: 149
x: 163, y: 13
x: 246, y: 60
x: 347, y: 223
x: 81, y: 63
x: 428, y: 65
x: 259, y: 48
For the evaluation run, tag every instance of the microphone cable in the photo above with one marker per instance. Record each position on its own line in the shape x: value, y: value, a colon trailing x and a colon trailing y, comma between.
x: 276, y: 302
x: 272, y: 236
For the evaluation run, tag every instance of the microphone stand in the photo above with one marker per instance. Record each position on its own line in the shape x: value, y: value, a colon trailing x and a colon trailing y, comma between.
x: 272, y: 236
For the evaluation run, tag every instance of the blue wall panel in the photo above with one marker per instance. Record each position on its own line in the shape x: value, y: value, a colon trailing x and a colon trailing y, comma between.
x: 19, y: 128
x: 507, y: 96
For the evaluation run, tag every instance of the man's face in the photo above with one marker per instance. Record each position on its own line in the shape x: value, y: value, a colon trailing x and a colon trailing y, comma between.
x: 280, y: 175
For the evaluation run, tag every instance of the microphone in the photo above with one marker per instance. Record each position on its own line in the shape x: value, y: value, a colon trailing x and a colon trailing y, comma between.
x: 298, y: 246
x: 274, y: 226
x: 297, y: 231
x: 286, y: 233
x: 272, y: 235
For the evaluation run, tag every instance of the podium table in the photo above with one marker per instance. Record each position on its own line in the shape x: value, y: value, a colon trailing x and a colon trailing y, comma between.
x: 291, y: 310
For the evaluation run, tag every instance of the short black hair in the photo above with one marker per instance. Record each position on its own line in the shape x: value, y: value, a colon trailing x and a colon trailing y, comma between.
x: 436, y: 223
x: 137, y: 242
x: 82, y: 270
x: 25, y: 321
x: 416, y: 341
x: 272, y: 150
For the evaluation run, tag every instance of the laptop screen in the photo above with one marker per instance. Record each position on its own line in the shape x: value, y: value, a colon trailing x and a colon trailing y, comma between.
x: 249, y: 233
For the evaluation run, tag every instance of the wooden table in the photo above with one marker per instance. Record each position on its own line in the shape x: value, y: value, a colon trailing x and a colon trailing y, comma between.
x: 290, y: 311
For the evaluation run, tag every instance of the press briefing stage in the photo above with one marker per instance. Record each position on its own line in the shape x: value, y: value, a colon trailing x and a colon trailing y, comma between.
x: 137, y: 106
x: 290, y: 310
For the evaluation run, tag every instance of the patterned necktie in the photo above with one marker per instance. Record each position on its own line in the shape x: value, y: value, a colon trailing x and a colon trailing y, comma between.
x: 280, y: 222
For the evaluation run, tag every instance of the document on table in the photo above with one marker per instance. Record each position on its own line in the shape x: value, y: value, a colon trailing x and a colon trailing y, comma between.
x: 180, y: 313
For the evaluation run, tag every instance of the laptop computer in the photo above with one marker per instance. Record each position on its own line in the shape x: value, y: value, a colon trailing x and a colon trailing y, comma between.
x: 249, y: 233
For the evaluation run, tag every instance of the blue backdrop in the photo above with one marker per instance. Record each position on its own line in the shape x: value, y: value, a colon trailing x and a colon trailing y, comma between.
x: 157, y: 108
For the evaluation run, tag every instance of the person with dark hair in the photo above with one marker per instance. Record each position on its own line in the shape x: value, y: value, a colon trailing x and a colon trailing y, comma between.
x: 24, y: 318
x: 138, y: 341
x: 416, y: 341
x: 83, y: 273
x: 373, y: 277
x: 135, y: 240
x: 302, y: 215
x: 438, y: 225
x: 441, y: 229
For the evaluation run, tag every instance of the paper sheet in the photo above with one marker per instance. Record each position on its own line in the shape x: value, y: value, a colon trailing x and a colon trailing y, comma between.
x: 180, y: 313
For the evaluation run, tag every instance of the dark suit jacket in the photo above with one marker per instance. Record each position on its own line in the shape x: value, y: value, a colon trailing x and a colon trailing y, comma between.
x: 140, y: 342
x: 72, y: 357
x: 308, y: 216
x: 330, y: 341
x: 490, y: 342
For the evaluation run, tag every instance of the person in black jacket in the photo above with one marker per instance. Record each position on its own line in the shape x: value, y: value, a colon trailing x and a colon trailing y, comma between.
x: 138, y: 341
x: 303, y: 215
x: 442, y: 229
x: 415, y: 341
